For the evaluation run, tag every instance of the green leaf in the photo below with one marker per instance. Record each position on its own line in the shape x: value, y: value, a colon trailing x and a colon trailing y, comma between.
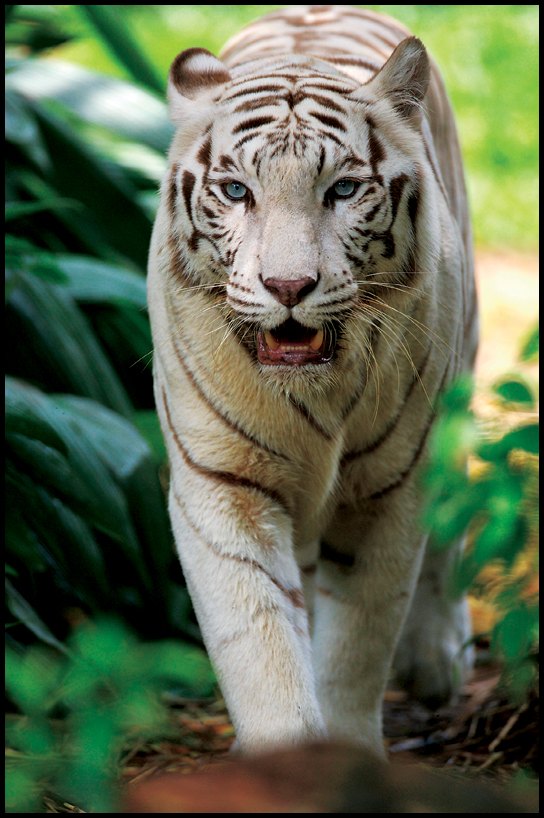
x: 126, y: 454
x: 23, y: 257
x: 29, y: 417
x: 525, y: 437
x: 177, y: 663
x: 148, y: 424
x: 62, y: 542
x: 23, y: 791
x: 116, y: 36
x: 119, y: 106
x: 31, y: 678
x: 457, y: 396
x: 16, y: 210
x: 80, y: 476
x: 63, y: 341
x: 513, y: 635
x: 531, y: 346
x: 114, y: 439
x: 79, y: 173
x: 93, y: 281
x: 25, y: 613
x: 22, y: 130
x: 514, y: 390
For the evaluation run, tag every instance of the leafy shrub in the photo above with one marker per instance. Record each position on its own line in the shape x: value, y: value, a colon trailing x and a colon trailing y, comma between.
x: 498, y: 501
x: 87, y: 526
x: 107, y: 686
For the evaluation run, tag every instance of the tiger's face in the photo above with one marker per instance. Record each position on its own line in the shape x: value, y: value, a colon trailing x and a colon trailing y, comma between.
x: 302, y: 206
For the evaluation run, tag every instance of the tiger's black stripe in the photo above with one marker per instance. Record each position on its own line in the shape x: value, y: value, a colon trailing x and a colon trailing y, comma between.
x: 294, y: 595
x: 251, y: 124
x: 313, y: 422
x: 417, y: 377
x: 225, y: 477
x: 403, y: 476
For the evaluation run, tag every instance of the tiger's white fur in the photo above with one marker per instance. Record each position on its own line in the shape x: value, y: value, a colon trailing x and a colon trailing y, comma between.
x: 294, y: 497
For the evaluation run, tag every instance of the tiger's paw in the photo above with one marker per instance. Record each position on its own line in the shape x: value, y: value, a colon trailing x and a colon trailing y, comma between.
x: 433, y: 659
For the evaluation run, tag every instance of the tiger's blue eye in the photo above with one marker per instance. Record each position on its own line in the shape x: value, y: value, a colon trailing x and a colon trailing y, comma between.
x: 235, y: 190
x: 344, y: 188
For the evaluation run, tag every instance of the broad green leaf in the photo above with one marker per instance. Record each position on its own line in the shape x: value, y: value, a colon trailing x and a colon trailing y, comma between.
x: 79, y: 222
x: 514, y: 390
x: 31, y: 678
x: 29, y: 417
x: 23, y: 257
x: 21, y: 542
x: 515, y: 632
x: 86, y: 568
x: 117, y: 37
x: 530, y: 349
x: 81, y: 174
x: 126, y: 454
x: 458, y: 394
x: 179, y: 663
x: 25, y: 613
x: 120, y: 106
x: 525, y: 437
x: 148, y: 424
x: 62, y: 340
x: 23, y: 791
x: 114, y: 439
x: 94, y: 281
x: 453, y: 439
x: 60, y: 542
x: 126, y: 334
x: 16, y: 210
x: 81, y: 475
x: 22, y: 129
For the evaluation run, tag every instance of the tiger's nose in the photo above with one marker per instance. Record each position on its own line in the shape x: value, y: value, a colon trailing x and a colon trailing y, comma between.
x: 290, y: 293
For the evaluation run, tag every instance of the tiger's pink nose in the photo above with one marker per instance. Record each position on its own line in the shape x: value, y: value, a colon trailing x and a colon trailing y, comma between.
x: 290, y: 293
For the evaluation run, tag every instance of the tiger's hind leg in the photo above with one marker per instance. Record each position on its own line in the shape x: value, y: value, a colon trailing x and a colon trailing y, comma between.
x: 432, y: 658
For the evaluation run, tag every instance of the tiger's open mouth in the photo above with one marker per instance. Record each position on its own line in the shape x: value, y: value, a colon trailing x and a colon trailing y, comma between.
x: 291, y: 344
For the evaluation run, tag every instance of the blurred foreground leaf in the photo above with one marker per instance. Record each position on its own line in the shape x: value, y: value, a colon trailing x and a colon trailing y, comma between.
x: 108, y: 687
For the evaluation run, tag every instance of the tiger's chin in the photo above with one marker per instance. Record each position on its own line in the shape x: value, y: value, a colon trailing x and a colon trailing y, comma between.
x: 293, y: 345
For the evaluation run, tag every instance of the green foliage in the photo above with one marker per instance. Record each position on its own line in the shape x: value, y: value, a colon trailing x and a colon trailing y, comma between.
x: 87, y: 527
x: 497, y: 502
x: 108, y: 687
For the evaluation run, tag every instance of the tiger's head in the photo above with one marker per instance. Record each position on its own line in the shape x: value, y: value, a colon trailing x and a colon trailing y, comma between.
x: 304, y: 198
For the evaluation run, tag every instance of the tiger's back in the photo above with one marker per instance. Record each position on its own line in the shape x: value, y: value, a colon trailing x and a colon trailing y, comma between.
x: 311, y: 291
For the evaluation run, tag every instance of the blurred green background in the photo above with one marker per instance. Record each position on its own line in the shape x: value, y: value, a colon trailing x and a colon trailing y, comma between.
x: 487, y: 53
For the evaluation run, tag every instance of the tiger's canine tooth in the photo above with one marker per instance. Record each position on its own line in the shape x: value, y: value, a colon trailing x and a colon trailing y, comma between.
x: 271, y: 341
x: 317, y: 340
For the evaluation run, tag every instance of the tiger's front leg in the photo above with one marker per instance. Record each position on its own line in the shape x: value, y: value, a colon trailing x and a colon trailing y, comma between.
x: 370, y: 561
x: 235, y: 549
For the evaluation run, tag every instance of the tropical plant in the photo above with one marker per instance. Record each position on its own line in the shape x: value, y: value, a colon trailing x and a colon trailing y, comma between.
x: 87, y: 527
x: 497, y: 500
x: 106, y: 686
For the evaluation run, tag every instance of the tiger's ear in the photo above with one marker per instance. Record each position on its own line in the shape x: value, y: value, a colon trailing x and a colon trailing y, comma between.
x: 194, y: 74
x: 404, y: 78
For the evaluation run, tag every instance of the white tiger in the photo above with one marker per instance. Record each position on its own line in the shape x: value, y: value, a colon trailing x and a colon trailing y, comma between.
x: 311, y: 292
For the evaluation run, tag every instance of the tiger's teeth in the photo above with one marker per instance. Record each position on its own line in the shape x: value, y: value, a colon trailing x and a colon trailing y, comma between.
x: 271, y: 341
x: 317, y: 340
